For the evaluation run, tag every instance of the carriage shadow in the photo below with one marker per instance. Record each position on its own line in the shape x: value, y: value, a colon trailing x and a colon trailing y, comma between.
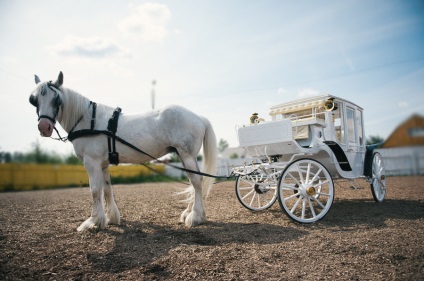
x: 138, y: 244
x: 348, y: 213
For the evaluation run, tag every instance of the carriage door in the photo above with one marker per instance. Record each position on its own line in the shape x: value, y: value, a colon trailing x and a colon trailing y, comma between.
x: 355, y: 140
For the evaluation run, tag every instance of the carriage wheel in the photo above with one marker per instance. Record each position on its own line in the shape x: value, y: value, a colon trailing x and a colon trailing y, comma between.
x: 305, y: 191
x: 378, y: 183
x: 257, y: 191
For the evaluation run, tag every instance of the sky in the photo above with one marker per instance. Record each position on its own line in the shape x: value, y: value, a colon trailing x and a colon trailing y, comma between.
x: 221, y: 59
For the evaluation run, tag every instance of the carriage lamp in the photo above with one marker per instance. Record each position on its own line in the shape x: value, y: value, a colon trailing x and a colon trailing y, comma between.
x: 253, y: 118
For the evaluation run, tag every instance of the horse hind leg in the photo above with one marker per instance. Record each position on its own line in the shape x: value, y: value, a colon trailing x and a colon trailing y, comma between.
x: 112, y: 211
x: 195, y: 213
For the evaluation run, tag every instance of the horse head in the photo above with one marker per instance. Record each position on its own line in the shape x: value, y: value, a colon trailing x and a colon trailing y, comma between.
x: 47, y: 98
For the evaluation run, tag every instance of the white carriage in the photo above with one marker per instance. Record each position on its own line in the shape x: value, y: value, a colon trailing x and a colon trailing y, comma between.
x: 307, y: 144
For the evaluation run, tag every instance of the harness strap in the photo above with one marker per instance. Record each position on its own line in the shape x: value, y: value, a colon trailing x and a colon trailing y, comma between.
x: 93, y: 115
x: 112, y: 127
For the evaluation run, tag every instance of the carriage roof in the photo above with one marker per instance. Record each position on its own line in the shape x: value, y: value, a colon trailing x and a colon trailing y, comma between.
x: 306, y: 103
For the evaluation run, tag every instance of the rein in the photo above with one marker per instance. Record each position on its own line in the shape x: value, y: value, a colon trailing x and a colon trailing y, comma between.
x: 112, y: 137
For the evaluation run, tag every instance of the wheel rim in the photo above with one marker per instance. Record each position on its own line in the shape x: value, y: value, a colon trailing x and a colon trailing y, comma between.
x: 378, y: 185
x: 306, y: 191
x: 257, y: 191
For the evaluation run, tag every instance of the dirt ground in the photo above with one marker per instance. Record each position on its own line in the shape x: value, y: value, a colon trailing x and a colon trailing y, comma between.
x: 358, y: 239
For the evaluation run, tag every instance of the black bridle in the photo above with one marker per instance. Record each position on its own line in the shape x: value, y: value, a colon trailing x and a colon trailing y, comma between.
x: 56, y: 102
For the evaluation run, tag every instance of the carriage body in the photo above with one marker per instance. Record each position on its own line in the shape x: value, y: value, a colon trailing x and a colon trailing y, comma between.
x: 306, y: 144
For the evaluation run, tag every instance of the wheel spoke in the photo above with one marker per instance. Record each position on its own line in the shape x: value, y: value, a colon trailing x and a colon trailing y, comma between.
x: 295, y: 204
x: 288, y: 187
x: 253, y: 198
x: 252, y: 182
x: 303, y: 207
x: 259, y: 200
x: 312, y: 208
x: 300, y: 173
x: 318, y: 202
x: 316, y: 175
x: 291, y: 196
x: 321, y: 183
x: 307, y: 172
x: 293, y: 178
x: 248, y: 194
x: 323, y: 193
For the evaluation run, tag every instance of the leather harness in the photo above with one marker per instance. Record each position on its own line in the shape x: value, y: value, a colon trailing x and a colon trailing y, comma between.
x: 112, y: 127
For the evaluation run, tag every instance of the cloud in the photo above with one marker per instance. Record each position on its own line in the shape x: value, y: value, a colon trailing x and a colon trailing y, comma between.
x: 308, y: 92
x: 403, y: 104
x: 148, y: 22
x: 282, y: 92
x: 91, y: 47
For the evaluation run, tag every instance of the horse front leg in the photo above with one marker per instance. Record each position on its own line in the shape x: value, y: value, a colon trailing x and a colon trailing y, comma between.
x: 112, y: 212
x: 98, y: 217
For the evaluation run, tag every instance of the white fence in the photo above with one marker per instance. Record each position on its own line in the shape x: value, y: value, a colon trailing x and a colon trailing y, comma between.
x: 398, y: 162
x: 403, y: 161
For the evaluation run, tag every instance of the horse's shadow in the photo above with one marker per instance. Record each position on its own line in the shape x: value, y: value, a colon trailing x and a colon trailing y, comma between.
x: 137, y: 244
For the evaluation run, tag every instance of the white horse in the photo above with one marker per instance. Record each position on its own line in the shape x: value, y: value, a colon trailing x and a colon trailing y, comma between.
x: 173, y: 128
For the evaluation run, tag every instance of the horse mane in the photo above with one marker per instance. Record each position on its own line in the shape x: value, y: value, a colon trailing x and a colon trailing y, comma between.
x: 74, y: 106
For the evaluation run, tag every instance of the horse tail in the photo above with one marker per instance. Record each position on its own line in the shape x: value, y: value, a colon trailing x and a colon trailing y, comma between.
x: 210, y: 156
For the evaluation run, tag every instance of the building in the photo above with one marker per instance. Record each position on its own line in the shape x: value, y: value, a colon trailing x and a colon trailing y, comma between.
x: 403, y: 151
x: 409, y: 133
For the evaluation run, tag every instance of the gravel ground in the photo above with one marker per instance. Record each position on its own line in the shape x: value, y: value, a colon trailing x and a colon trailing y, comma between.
x: 358, y: 239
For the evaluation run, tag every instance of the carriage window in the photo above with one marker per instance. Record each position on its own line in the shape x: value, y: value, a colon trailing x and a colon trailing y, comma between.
x: 360, y: 130
x: 351, y: 125
x: 338, y: 123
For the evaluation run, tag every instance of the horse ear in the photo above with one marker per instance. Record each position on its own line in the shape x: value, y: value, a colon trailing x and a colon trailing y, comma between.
x: 37, y: 79
x: 59, y: 81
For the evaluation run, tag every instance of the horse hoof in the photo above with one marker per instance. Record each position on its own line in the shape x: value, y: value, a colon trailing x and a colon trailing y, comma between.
x: 184, y: 216
x: 92, y: 223
x: 193, y: 219
x: 114, y: 219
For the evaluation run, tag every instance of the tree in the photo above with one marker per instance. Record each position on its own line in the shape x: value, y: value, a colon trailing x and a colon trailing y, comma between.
x: 71, y: 159
x: 222, y: 145
x: 174, y: 158
x: 234, y: 156
x: 374, y: 140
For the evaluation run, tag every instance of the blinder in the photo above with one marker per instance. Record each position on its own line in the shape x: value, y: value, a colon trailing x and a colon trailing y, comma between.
x: 33, y: 100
